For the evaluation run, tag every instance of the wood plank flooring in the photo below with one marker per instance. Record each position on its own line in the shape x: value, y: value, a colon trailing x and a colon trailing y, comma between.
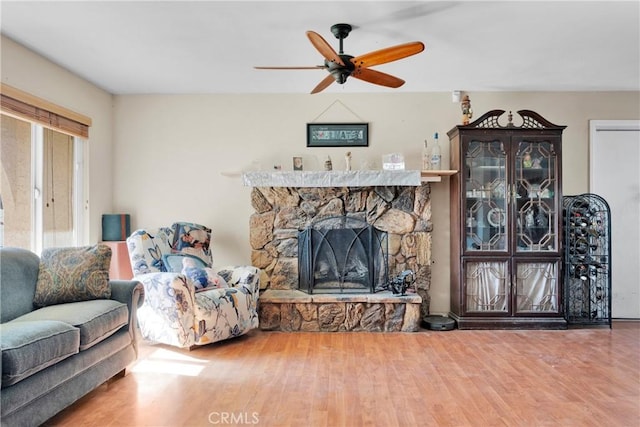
x: 576, y: 377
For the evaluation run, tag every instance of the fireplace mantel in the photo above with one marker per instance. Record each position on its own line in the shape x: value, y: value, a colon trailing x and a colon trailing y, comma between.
x: 359, y: 178
x: 363, y: 178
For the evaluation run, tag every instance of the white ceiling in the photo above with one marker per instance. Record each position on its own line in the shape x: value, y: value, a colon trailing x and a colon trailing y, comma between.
x: 166, y: 47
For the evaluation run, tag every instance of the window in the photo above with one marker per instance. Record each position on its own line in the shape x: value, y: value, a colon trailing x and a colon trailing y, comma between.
x: 41, y: 158
x: 39, y: 186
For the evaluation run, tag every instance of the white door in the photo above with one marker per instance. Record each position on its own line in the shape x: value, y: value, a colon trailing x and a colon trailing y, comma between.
x: 615, y: 176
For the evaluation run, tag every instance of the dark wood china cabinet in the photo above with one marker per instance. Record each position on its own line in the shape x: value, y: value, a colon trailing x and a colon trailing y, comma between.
x: 506, y: 216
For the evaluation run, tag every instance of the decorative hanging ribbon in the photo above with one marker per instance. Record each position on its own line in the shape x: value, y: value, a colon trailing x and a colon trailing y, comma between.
x: 337, y: 101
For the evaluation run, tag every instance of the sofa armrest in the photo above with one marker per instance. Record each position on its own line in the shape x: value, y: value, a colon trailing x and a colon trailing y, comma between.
x: 169, y: 300
x: 243, y: 276
x: 157, y: 286
x: 130, y: 292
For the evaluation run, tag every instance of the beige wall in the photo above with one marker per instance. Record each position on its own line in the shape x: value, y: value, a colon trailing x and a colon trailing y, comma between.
x: 168, y: 153
x: 171, y: 151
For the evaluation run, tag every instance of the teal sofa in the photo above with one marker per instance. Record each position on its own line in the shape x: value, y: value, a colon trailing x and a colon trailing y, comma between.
x: 54, y: 355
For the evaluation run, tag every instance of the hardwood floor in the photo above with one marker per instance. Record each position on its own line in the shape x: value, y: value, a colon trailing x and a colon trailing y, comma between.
x: 576, y: 377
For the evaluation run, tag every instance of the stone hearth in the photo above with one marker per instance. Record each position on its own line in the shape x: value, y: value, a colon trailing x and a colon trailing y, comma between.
x: 291, y: 310
x: 403, y: 211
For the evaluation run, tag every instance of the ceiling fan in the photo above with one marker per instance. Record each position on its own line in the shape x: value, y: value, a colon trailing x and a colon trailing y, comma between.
x: 340, y: 65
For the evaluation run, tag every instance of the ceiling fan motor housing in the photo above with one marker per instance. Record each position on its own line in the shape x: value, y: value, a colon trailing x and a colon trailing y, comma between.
x: 340, y: 72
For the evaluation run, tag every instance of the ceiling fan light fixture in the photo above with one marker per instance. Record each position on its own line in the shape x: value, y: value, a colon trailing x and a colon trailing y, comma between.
x: 340, y: 75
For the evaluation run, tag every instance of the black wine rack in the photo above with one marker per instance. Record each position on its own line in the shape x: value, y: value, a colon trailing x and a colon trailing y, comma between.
x: 587, y: 260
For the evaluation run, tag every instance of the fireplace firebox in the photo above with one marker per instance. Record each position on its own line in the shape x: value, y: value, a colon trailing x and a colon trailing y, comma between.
x: 342, y: 255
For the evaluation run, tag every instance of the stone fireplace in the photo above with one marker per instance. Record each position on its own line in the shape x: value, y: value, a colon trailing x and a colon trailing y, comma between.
x: 394, y: 203
x: 342, y: 255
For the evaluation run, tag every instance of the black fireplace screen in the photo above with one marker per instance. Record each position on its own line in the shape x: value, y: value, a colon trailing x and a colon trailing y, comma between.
x: 342, y: 255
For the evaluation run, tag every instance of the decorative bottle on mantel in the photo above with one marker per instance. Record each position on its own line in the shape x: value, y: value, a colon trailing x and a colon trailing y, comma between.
x: 435, y: 153
x: 327, y: 164
x: 426, y: 157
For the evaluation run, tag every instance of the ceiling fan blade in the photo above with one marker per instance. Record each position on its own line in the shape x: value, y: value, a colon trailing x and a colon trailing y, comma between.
x: 388, y: 54
x: 325, y: 83
x: 376, y: 77
x: 323, y: 47
x: 314, y: 67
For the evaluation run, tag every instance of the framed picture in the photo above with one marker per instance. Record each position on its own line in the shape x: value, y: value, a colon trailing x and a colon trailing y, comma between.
x: 337, y: 134
x: 297, y: 163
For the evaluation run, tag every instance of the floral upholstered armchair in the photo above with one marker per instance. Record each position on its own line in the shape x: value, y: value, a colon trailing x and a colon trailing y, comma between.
x: 187, y: 301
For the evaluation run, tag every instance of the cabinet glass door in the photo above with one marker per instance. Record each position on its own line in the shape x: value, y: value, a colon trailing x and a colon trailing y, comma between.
x: 537, y: 287
x: 485, y: 197
x: 536, y: 183
x: 487, y: 286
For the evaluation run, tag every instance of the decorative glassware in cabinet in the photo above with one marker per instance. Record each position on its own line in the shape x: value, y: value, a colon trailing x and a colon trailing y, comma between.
x: 486, y: 196
x: 536, y: 210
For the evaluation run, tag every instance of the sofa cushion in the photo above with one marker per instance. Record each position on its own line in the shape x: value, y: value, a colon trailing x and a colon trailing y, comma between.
x: 31, y: 346
x: 195, y: 270
x: 96, y: 319
x: 175, y: 262
x: 73, y: 274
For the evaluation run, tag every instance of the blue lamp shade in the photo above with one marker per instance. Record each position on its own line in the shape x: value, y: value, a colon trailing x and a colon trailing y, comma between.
x: 115, y: 227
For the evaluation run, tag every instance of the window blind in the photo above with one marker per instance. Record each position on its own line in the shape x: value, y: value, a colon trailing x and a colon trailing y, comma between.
x: 17, y: 103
